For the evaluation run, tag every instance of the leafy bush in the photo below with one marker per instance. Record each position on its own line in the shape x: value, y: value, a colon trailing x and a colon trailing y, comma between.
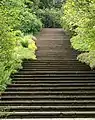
x: 27, y: 48
x: 43, y: 4
x: 30, y: 23
x: 11, y: 66
x: 11, y: 50
x: 9, y: 20
x: 88, y: 58
x: 79, y: 17
x: 50, y: 17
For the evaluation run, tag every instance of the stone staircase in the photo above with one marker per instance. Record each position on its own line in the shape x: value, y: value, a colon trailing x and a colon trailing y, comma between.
x: 54, y: 86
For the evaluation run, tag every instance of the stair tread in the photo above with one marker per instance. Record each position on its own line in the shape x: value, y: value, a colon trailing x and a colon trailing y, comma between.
x: 28, y: 107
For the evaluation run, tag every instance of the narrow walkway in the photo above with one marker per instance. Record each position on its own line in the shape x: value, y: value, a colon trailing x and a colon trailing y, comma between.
x: 54, y: 86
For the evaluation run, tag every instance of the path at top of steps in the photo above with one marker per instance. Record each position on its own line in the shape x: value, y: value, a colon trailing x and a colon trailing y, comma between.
x: 54, y: 44
x: 54, y: 86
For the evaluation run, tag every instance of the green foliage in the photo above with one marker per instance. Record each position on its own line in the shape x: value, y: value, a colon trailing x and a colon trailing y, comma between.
x: 88, y: 58
x: 50, y: 4
x: 9, y: 20
x: 25, y: 53
x: 50, y: 17
x: 34, y: 4
x: 4, y: 112
x: 30, y: 23
x: 47, y: 10
x: 46, y: 4
x: 79, y: 17
x: 11, y: 50
x: 26, y: 48
x: 50, y: 13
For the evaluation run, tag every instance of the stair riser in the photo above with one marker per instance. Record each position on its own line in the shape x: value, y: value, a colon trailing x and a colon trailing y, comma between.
x: 50, y: 85
x: 46, y: 104
x: 52, y: 109
x: 52, y: 77
x: 49, y: 98
x: 11, y: 89
x: 54, y: 66
x: 42, y: 94
x: 50, y: 82
x: 52, y: 116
